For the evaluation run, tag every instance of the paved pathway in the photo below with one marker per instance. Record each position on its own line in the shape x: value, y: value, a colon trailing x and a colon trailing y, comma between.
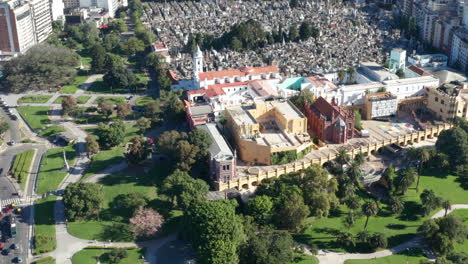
x: 112, y: 169
x: 91, y: 79
x: 416, y: 242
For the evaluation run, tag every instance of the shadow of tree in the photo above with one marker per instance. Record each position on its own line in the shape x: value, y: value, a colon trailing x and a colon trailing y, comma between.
x: 116, y: 232
x: 410, y: 212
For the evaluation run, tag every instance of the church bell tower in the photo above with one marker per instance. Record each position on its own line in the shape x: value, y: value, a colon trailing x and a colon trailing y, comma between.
x: 197, y: 66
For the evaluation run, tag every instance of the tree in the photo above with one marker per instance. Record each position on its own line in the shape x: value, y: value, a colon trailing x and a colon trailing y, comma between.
x: 201, y: 139
x: 105, y: 109
x: 369, y: 208
x: 164, y: 82
x: 137, y: 150
x: 443, y: 233
x: 236, y: 44
x: 155, y: 60
x: 115, y: 255
x: 291, y: 212
x: 145, y: 223
x: 400, y: 73
x: 92, y: 147
x: 143, y: 124
x: 378, y: 240
x: 430, y: 201
x: 168, y: 140
x: 353, y: 202
x: 113, y: 62
x: 453, y: 143
x: 342, y: 157
x: 111, y: 42
x: 359, y: 158
x: 349, y: 220
x: 354, y: 172
x: 82, y: 200
x: 118, y: 26
x: 260, y: 208
x: 268, y: 247
x: 184, y: 190
x: 397, y: 205
x: 69, y: 104
x: 293, y: 33
x: 389, y: 176
x: 120, y: 78
x: 129, y: 202
x: 301, y: 101
x: 153, y: 111
x: 341, y: 75
x: 42, y: 67
x: 405, y: 179
x: 98, y: 64
x: 305, y: 30
x: 185, y: 154
x: 123, y: 110
x: 4, y: 126
x: 357, y: 120
x: 346, y: 239
x: 215, y: 231
x: 132, y: 46
x: 111, y: 135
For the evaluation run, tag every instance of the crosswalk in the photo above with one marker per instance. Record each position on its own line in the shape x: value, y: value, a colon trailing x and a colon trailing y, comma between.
x: 4, y: 203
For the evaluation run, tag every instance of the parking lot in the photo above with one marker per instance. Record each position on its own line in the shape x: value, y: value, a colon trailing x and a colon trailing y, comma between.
x: 14, y: 227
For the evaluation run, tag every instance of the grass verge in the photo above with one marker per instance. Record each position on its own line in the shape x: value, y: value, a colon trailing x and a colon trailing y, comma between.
x: 38, y: 99
x: 51, y: 131
x: 91, y: 255
x: 36, y: 116
x: 52, y: 170
x: 409, y: 256
x: 111, y: 100
x: 75, y: 84
x: 44, y: 225
x: 21, y: 166
x: 82, y: 99
x: 46, y: 260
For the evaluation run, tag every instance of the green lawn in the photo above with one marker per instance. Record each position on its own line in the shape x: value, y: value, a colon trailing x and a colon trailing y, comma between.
x: 52, y: 170
x: 397, y: 228
x: 304, y: 259
x: 142, y: 101
x: 98, y: 86
x: 44, y: 225
x: 89, y: 256
x: 36, y: 116
x: 34, y: 99
x: 111, y: 99
x: 51, y: 131
x: 410, y: 256
x: 463, y: 214
x: 106, y: 158
x: 46, y: 260
x: 75, y: 84
x: 142, y: 78
x: 82, y: 99
x: 85, y: 58
x: 106, y: 228
x: 21, y: 166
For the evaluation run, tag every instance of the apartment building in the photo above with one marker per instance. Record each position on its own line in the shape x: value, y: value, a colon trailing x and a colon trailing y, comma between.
x: 449, y: 100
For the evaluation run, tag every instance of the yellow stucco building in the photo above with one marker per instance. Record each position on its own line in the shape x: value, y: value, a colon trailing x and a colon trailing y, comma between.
x: 448, y: 101
x: 267, y: 127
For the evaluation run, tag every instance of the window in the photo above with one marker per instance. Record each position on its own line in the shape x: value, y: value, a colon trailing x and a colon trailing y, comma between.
x: 441, y: 110
x: 226, y: 167
x: 442, y: 101
x: 436, y: 99
x: 227, y: 177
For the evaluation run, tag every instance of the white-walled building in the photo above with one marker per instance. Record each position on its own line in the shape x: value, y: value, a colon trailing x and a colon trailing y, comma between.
x: 57, y: 7
x: 42, y: 16
x: 459, y: 50
x: 397, y: 59
x: 110, y: 6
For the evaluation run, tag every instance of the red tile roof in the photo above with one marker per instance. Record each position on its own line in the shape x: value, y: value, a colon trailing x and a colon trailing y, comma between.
x: 159, y: 45
x: 323, y: 107
x: 214, y: 91
x: 263, y: 88
x: 321, y: 81
x: 418, y: 70
x: 244, y: 71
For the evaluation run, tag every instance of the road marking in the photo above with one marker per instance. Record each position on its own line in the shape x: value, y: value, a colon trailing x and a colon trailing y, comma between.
x: 5, y: 203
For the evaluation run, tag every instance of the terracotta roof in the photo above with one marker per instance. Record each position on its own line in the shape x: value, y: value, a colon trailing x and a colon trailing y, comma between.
x: 214, y: 91
x: 172, y: 76
x: 263, y: 88
x: 159, y: 45
x: 244, y: 71
x: 199, y: 91
x: 320, y: 81
x: 225, y: 85
x: 419, y: 71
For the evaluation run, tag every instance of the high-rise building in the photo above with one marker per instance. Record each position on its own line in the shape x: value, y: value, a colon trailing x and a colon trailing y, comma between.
x: 42, y: 16
x: 57, y: 7
x: 109, y: 5
x: 17, y: 30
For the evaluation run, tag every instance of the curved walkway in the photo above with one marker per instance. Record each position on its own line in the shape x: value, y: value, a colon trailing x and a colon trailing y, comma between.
x: 416, y: 242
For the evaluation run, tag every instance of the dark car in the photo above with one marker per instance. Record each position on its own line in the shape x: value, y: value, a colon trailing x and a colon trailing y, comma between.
x: 14, y: 117
x: 6, y: 252
x: 14, y: 246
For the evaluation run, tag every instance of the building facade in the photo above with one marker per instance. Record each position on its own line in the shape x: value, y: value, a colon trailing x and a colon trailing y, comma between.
x: 42, y: 15
x: 17, y: 31
x: 265, y: 128
x: 222, y: 159
x: 448, y: 101
x: 380, y: 105
x: 330, y: 122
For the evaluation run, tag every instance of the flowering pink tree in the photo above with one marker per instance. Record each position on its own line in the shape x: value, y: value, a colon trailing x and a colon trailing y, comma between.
x: 146, y: 222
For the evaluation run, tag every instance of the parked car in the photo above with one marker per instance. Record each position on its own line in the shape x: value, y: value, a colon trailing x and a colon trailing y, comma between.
x: 14, y: 246
x: 18, y: 260
x: 11, y: 143
x: 6, y: 252
x: 14, y: 117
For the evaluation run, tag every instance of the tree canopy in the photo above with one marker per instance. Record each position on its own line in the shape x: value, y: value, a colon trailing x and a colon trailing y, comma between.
x: 82, y: 200
x: 42, y: 67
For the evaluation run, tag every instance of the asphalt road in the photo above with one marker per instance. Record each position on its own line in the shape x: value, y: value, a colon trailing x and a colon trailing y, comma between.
x: 7, y: 189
